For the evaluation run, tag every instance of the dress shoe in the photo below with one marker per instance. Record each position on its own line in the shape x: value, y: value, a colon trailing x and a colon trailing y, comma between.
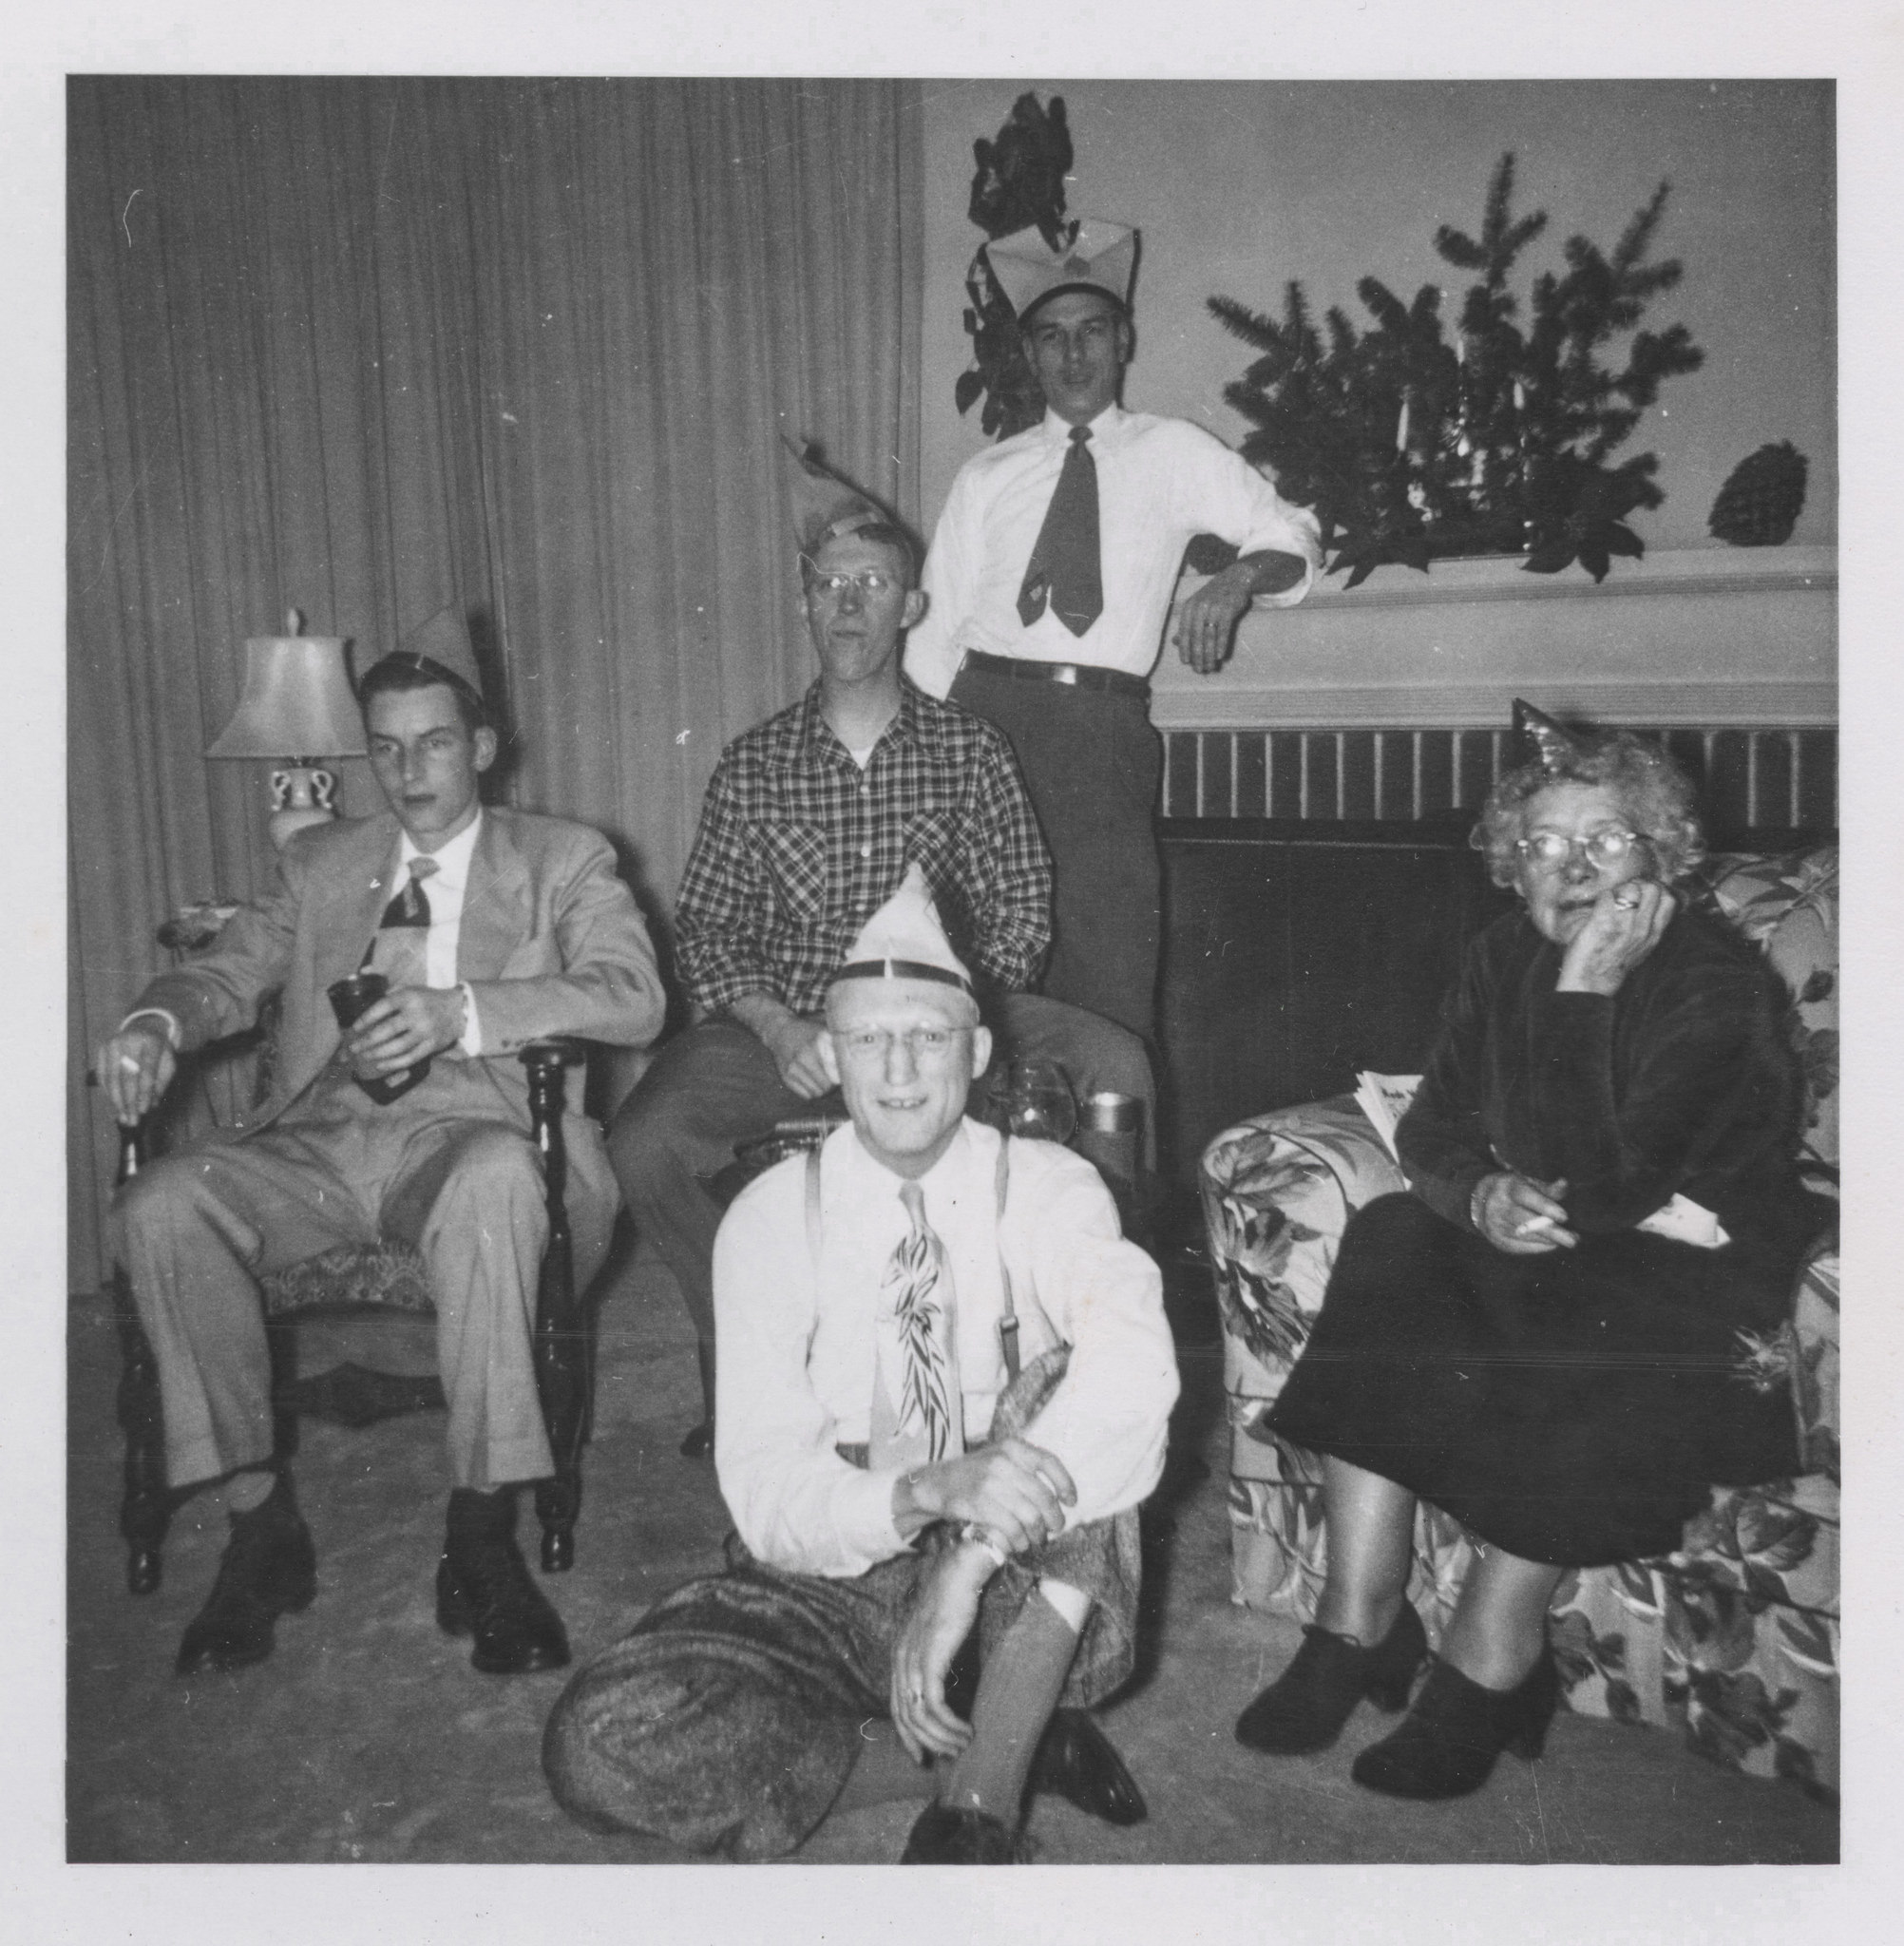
x: 484, y: 1589
x: 1448, y: 1744
x: 1304, y: 1708
x: 1075, y: 1759
x: 948, y: 1835
x: 269, y: 1569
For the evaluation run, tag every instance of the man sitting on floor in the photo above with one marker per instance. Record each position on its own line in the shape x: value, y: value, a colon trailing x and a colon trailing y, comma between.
x: 810, y: 822
x: 892, y: 1483
x: 493, y: 928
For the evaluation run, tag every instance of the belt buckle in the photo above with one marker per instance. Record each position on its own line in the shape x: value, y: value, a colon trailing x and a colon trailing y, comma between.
x: 1065, y: 672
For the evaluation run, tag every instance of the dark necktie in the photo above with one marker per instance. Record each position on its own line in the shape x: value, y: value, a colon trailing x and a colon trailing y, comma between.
x: 403, y: 935
x: 1065, y: 570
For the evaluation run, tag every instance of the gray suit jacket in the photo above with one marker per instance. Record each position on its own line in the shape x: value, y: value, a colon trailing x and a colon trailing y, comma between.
x: 551, y: 941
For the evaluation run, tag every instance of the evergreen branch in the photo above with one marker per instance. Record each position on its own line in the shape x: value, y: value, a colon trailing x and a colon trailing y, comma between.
x: 1638, y: 234
x: 1241, y: 322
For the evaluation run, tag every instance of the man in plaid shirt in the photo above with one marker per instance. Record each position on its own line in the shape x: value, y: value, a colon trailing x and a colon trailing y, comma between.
x: 798, y: 844
x: 809, y: 823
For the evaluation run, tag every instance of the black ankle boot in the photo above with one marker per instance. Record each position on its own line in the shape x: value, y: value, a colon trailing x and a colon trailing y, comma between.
x: 269, y: 1569
x: 1448, y: 1746
x: 484, y: 1589
x: 1304, y: 1708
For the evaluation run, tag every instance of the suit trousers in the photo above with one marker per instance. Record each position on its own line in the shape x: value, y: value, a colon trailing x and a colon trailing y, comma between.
x: 1092, y: 764
x: 195, y: 1230
x: 717, y: 1085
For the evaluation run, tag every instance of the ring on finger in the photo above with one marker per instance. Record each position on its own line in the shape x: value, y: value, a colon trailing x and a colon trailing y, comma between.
x: 1625, y: 905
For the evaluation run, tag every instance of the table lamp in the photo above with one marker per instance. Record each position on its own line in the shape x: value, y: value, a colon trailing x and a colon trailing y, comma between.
x: 296, y: 710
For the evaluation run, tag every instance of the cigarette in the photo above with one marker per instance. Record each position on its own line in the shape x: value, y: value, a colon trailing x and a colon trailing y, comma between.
x: 1534, y: 1223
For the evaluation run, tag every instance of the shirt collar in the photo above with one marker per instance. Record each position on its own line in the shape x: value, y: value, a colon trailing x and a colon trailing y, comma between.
x: 1106, y: 426
x: 453, y: 861
x: 941, y: 1183
x: 910, y: 726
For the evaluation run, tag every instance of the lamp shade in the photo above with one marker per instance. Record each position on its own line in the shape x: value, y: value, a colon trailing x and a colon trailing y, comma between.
x: 296, y: 700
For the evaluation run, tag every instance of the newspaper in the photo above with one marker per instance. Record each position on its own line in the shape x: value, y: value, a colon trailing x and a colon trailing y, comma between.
x: 1384, y: 1099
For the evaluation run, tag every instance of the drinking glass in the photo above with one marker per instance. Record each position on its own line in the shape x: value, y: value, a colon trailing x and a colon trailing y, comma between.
x: 1038, y: 1101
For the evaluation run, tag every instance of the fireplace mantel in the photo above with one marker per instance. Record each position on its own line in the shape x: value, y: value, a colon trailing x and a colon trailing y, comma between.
x: 1705, y: 636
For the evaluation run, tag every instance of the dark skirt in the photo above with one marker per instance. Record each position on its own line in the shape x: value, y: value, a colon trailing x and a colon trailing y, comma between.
x: 1574, y: 1408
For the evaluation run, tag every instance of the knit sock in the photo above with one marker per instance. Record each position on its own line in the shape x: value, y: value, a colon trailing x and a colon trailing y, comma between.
x: 1018, y: 1688
x: 246, y: 1491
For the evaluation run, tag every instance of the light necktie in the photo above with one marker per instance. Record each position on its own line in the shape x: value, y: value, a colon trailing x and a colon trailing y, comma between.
x: 402, y: 946
x: 1066, y: 568
x: 918, y: 1412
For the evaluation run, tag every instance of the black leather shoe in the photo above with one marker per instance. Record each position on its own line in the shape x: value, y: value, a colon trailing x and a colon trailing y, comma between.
x: 484, y: 1589
x: 1075, y: 1760
x: 269, y: 1569
x: 1304, y: 1708
x: 948, y: 1835
x: 1448, y: 1744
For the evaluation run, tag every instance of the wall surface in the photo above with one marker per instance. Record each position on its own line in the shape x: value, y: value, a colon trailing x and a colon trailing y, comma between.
x: 1238, y: 188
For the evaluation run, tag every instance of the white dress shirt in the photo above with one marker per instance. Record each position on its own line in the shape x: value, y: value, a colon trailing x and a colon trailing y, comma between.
x: 1160, y: 483
x: 795, y: 1370
x: 443, y: 889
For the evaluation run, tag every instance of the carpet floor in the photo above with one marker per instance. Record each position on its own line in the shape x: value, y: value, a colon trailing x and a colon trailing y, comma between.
x: 368, y: 1737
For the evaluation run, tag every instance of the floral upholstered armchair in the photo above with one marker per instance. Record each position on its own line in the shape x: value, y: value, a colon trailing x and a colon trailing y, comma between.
x: 1733, y: 1637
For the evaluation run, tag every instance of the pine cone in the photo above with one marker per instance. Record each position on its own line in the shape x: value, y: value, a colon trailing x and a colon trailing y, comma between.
x: 1759, y: 505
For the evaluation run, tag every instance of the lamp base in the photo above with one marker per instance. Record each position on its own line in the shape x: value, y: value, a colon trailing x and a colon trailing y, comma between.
x: 300, y: 794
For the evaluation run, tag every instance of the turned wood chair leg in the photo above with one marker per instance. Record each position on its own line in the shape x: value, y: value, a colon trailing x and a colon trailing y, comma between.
x: 145, y: 1510
x: 563, y: 1354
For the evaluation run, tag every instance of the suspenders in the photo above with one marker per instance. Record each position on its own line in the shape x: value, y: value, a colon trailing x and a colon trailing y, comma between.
x: 1008, y: 1322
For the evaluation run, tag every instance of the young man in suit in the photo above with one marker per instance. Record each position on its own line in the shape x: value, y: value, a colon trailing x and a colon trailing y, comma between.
x: 494, y: 928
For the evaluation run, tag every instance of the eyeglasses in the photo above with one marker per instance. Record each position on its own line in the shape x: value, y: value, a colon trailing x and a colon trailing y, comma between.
x: 874, y: 581
x: 923, y: 1044
x: 1549, y: 850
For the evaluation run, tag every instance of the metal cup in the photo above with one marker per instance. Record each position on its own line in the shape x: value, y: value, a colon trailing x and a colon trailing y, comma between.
x: 351, y: 998
x: 1111, y: 1134
x: 1114, y: 1113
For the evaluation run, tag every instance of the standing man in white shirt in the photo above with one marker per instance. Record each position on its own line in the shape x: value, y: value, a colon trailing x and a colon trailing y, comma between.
x: 1048, y: 583
x: 493, y: 928
x: 892, y: 1486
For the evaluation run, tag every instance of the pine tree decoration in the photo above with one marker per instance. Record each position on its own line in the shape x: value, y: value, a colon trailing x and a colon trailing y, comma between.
x: 1760, y: 502
x: 1410, y: 448
x: 1020, y: 181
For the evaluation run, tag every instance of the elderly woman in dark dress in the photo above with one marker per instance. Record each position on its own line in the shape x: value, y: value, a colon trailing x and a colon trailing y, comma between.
x: 1515, y: 1341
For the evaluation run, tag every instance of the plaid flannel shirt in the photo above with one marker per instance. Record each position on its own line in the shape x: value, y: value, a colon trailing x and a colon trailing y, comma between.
x: 798, y: 848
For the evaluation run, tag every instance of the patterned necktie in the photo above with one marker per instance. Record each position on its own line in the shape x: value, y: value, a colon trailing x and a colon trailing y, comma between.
x: 1065, y: 568
x: 918, y: 1413
x: 402, y: 946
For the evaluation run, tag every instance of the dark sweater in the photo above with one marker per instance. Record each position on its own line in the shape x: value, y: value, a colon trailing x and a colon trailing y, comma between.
x: 1684, y: 1081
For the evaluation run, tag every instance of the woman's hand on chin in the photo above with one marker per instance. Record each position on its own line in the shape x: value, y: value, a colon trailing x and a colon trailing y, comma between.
x: 1519, y: 1216
x: 1623, y: 928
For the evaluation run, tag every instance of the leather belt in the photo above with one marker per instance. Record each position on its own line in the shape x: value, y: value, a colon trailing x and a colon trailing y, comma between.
x: 1073, y: 675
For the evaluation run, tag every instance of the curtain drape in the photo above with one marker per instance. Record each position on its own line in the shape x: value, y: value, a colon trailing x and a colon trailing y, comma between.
x: 370, y: 347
